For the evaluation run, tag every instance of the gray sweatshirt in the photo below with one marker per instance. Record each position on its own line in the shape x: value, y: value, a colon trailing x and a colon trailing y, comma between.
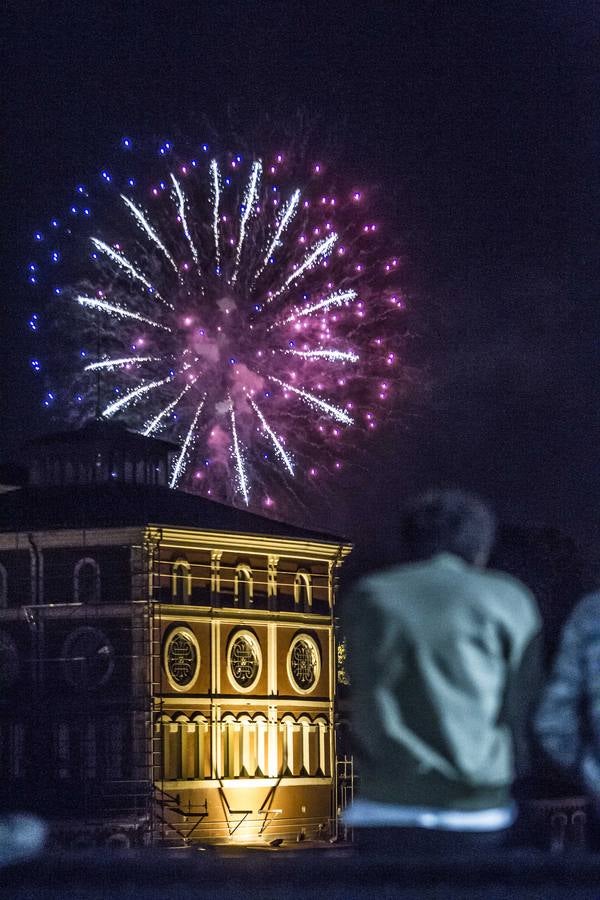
x: 435, y: 649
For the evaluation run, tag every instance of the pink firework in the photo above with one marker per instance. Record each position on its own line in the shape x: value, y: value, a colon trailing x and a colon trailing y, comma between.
x: 245, y: 310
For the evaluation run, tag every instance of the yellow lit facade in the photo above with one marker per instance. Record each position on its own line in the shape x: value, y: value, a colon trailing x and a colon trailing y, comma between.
x: 172, y: 685
x: 244, y: 686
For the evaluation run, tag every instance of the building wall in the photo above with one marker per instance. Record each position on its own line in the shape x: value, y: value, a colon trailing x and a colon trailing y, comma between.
x: 91, y: 720
x: 255, y: 761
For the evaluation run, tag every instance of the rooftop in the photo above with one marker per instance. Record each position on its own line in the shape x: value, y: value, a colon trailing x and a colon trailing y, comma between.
x: 120, y: 505
x: 100, y: 433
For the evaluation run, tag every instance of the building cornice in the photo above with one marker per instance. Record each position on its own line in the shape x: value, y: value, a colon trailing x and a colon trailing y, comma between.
x: 72, y: 537
x: 175, y: 612
x: 200, y: 539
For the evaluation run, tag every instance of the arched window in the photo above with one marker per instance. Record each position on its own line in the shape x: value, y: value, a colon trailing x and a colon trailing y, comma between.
x: 3, y: 587
x: 86, y: 588
x: 231, y: 747
x: 324, y: 746
x: 170, y: 747
x: 202, y: 724
x: 244, y: 746
x: 262, y: 745
x: 303, y: 589
x: 243, y: 586
x: 16, y: 750
x: 90, y: 751
x: 181, y: 581
x: 289, y: 758
x: 62, y: 749
x: 114, y: 747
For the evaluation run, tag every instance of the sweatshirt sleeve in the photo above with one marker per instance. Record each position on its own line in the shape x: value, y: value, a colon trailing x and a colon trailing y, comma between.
x: 522, y: 696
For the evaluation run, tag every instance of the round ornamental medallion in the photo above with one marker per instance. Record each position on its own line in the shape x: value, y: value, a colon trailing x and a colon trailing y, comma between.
x: 244, y: 659
x: 88, y: 658
x: 181, y: 658
x: 304, y: 663
x: 9, y: 661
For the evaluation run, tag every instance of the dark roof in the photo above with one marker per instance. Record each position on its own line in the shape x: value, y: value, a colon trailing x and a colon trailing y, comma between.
x: 100, y: 432
x: 12, y: 474
x: 126, y: 505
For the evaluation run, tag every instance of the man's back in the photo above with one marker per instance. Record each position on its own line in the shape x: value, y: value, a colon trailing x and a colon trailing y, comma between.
x: 432, y: 647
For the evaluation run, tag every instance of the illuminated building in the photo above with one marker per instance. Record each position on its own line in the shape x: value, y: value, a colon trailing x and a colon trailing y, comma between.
x: 167, y: 663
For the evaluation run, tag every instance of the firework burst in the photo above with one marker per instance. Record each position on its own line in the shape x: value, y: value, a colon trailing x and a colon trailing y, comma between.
x: 240, y: 308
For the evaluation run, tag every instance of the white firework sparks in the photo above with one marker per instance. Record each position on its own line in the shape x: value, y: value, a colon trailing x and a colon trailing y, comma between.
x: 334, y: 411
x: 237, y: 455
x: 153, y: 424
x: 181, y: 460
x: 250, y: 199
x: 123, y: 263
x: 338, y: 298
x: 329, y: 355
x: 244, y: 384
x: 216, y: 189
x: 118, y: 311
x: 285, y: 458
x: 138, y: 392
x: 111, y: 365
x: 180, y: 197
x: 141, y: 219
x: 286, y: 216
x: 320, y: 251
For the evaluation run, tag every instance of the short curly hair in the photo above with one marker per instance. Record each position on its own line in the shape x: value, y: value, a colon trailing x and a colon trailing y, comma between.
x: 448, y: 521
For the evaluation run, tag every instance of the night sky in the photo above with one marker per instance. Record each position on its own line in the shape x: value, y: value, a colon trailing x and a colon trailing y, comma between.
x: 478, y: 120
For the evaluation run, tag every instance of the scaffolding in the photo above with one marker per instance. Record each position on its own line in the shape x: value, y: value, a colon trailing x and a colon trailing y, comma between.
x: 82, y: 758
x: 344, y: 795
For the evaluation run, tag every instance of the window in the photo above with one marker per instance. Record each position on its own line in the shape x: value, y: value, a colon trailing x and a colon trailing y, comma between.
x: 231, y: 747
x: 9, y: 661
x: 170, y: 747
x: 288, y: 730
x: 62, y: 750
x: 304, y: 663
x: 323, y: 766
x: 181, y: 658
x: 86, y: 588
x: 244, y: 660
x: 88, y: 658
x: 185, y: 745
x: 17, y: 750
x: 244, y: 746
x: 3, y: 587
x: 90, y: 760
x: 114, y: 747
x: 202, y: 737
x: 243, y: 587
x: 303, y: 747
x: 181, y: 581
x: 303, y: 590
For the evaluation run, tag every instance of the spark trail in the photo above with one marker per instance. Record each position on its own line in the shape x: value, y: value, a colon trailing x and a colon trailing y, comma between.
x: 182, y: 215
x: 112, y: 408
x: 181, y: 459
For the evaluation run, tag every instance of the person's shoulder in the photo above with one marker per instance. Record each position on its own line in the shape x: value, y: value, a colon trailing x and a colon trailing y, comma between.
x: 383, y: 578
x: 586, y: 612
x: 511, y: 592
x: 507, y: 584
x: 375, y: 579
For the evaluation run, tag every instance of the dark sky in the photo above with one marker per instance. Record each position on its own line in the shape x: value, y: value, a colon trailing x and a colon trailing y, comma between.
x: 481, y: 122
